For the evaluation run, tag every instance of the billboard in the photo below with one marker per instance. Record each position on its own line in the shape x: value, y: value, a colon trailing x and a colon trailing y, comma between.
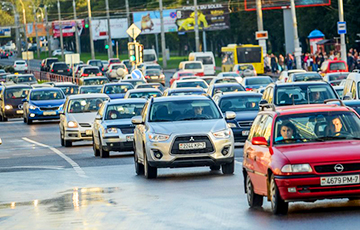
x: 210, y: 17
x: 250, y: 5
x: 41, y: 30
x: 118, y: 28
x: 149, y: 21
x: 5, y: 32
x: 68, y: 27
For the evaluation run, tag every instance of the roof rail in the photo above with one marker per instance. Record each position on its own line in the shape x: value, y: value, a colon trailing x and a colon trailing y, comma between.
x: 333, y: 100
x: 269, y: 105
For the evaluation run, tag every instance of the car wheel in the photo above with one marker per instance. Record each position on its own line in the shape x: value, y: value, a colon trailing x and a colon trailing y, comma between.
x: 215, y: 167
x: 139, y: 168
x: 150, y: 172
x: 4, y: 119
x: 28, y: 121
x: 62, y: 142
x: 228, y: 168
x: 24, y: 119
x: 96, y: 150
x: 278, y: 205
x: 103, y: 153
x: 254, y: 200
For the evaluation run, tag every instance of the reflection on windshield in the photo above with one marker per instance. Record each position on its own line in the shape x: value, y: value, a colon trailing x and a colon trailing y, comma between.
x: 95, y: 81
x: 16, y: 93
x: 85, y: 105
x: 116, y: 89
x: 92, y: 89
x: 69, y: 90
x: 191, y: 84
x: 237, y: 104
x: 46, y: 95
x: 123, y: 111
x: 186, y: 93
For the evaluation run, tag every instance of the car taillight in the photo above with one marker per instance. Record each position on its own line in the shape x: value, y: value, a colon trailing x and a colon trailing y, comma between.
x: 99, y: 74
x: 7, y: 55
x: 199, y: 74
x: 214, y: 67
x: 237, y: 71
x: 110, y: 70
x: 25, y: 65
x: 68, y: 70
x: 52, y: 70
x: 147, y: 77
x: 248, y: 89
x: 102, y: 69
x: 84, y: 75
x: 42, y: 64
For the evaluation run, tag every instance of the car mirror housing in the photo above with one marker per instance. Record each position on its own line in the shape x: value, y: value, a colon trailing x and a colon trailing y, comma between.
x: 98, y: 117
x: 137, y: 120
x: 263, y: 102
x: 259, y: 141
x: 230, y: 115
x: 61, y: 112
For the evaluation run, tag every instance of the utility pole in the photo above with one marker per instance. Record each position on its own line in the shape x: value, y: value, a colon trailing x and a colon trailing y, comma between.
x: 110, y: 50
x: 128, y: 15
x: 90, y: 31
x: 296, y: 36
x: 342, y: 36
x: 197, y: 39
x: 262, y: 42
x: 36, y: 34
x: 47, y: 31
x: 77, y: 40
x: 26, y: 39
x: 163, y: 46
x: 61, y: 34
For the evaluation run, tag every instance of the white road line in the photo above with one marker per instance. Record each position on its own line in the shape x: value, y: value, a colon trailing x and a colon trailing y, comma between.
x: 76, y: 167
x: 34, y: 167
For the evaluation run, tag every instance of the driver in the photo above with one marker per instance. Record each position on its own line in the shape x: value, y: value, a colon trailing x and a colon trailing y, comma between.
x: 198, y: 111
x: 315, y: 96
x: 287, y: 131
x: 336, y: 126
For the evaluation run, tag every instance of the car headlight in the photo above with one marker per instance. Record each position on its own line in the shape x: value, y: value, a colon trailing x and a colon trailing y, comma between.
x: 296, y: 168
x: 72, y: 124
x: 33, y: 107
x: 158, y: 137
x: 223, y: 134
x: 231, y: 125
x: 7, y: 107
x: 111, y: 130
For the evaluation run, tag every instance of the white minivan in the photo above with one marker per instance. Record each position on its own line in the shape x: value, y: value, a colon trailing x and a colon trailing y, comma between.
x: 352, y: 87
x: 149, y: 56
x: 207, y: 59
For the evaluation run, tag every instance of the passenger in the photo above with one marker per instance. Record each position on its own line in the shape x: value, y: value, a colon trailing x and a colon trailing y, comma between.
x: 76, y: 107
x: 335, y: 128
x: 315, y: 97
x: 287, y: 132
x: 98, y: 103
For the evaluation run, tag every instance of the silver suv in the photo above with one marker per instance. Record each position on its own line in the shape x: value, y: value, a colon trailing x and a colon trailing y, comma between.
x: 182, y: 131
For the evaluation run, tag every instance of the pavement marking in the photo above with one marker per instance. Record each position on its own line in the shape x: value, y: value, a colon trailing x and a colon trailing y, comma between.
x: 33, y: 166
x: 76, y: 167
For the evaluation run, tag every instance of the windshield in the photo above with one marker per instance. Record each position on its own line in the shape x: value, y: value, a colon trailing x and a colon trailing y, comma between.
x: 42, y: 95
x: 225, y: 80
x: 232, y: 88
x: 114, y: 61
x: 123, y: 111
x: 16, y: 93
x: 185, y: 74
x: 115, y: 67
x: 184, y: 93
x: 153, y: 67
x: 153, y: 72
x: 50, y: 61
x: 95, y: 81
x: 155, y: 86
x: 92, y: 89
x: 193, y: 66
x: 258, y: 81
x: 337, y: 66
x: 237, y: 104
x: 308, y: 77
x: 85, y: 105
x: 337, y: 77
x: 149, y: 58
x: 245, y: 67
x: 116, y: 89
x: 303, y: 94
x: 69, y: 90
x: 205, y: 60
x: 144, y: 94
x: 183, y: 110
x: 316, y: 127
x: 20, y: 63
x: 20, y: 79
x: 230, y: 75
x: 96, y: 63
x: 91, y: 71
x: 201, y: 84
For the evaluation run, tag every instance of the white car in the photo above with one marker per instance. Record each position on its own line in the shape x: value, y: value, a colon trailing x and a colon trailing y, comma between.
x: 195, y: 67
x: 20, y: 66
x: 231, y: 74
x: 57, y: 52
x: 117, y: 71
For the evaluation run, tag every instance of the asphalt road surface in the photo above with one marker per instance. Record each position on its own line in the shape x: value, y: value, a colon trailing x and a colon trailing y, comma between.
x: 47, y: 186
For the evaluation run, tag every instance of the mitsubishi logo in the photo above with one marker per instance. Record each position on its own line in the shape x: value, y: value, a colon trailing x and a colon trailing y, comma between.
x: 192, y: 139
x: 339, y: 168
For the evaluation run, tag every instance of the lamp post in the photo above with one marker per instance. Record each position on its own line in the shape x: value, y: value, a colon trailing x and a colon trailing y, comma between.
x: 47, y: 31
x: 36, y: 33
x: 90, y: 31
x: 17, y: 27
x: 26, y: 39
x: 61, y: 34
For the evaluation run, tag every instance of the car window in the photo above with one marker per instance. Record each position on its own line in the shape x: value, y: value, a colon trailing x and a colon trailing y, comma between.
x: 255, y: 127
x: 60, y: 66
x: 41, y: 95
x: 232, y: 88
x: 147, y: 86
x: 245, y: 67
x: 267, y: 128
x: 123, y: 111
x: 242, y: 103
x: 24, y: 79
x: 85, y: 105
x: 193, y: 66
x: 184, y: 93
x: 153, y: 72
x: 95, y: 81
x: 153, y: 67
x: 205, y: 60
x: 91, y: 71
x: 16, y: 93
x: 96, y: 63
x: 337, y: 66
x: 92, y: 89
x: 144, y: 94
x: 353, y: 90
x: 258, y: 81
x: 225, y: 80
x: 69, y: 90
x: 149, y: 57
x: 116, y: 89
x: 308, y: 77
x: 20, y: 63
x: 337, y: 77
x: 115, y: 67
x: 191, y: 84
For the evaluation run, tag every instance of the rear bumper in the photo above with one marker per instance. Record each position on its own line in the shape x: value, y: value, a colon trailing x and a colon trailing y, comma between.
x: 238, y: 134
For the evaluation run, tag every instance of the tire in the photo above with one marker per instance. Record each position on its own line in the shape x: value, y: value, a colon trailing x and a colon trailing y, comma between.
x: 215, y: 167
x: 24, y: 120
x: 96, y: 150
x: 254, y: 200
x: 278, y: 205
x: 62, y: 142
x: 150, y: 172
x: 1, y: 118
x: 103, y: 153
x: 228, y: 168
x: 4, y: 119
x: 139, y: 168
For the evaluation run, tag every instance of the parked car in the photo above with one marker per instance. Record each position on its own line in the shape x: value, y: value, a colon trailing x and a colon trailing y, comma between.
x: 255, y: 83
x: 46, y: 63
x: 196, y: 67
x: 224, y: 87
x: 60, y: 68
x: 184, y: 91
x: 245, y: 70
x: 11, y: 101
x: 335, y: 79
x: 143, y: 93
x: 116, y: 90
x: 20, y: 66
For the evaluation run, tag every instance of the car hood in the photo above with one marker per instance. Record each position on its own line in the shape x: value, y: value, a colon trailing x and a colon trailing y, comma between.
x: 188, y: 127
x: 116, y: 96
x: 118, y: 122
x: 48, y: 103
x: 82, y: 117
x: 333, y: 151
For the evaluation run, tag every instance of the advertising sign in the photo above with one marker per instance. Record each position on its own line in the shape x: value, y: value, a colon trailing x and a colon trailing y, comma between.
x: 118, y: 28
x: 149, y: 21
x: 68, y: 27
x: 41, y: 30
x: 250, y: 5
x: 210, y: 17
x: 5, y: 32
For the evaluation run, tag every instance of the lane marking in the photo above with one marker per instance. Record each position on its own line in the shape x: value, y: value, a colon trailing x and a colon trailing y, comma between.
x: 75, y: 166
x: 33, y: 166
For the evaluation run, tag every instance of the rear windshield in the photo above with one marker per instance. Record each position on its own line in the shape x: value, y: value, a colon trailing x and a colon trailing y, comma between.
x: 258, y: 81
x: 226, y: 80
x: 245, y: 67
x: 337, y: 66
x: 91, y: 71
x: 155, y: 86
x: 337, y: 77
x: 20, y: 63
x: 116, y: 89
x: 23, y: 79
x: 69, y: 90
x: 114, y: 67
x: 308, y: 77
x: 232, y: 88
x: 184, y: 93
x: 16, y: 93
x: 149, y: 57
x: 60, y: 66
x: 144, y: 94
x: 205, y: 60
x: 50, y: 61
x: 193, y: 66
x: 95, y: 81
x: 92, y: 89
x: 153, y: 72
x: 153, y: 67
x: 41, y: 95
x: 185, y: 74
x: 96, y: 63
x: 191, y: 84
x: 114, y: 61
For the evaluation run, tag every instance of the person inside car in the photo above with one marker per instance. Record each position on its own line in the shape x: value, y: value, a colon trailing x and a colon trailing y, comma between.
x: 76, y: 107
x: 315, y: 96
x: 335, y: 128
x: 287, y: 132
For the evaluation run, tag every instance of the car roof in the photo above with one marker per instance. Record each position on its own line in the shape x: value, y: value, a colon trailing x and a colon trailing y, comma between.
x: 187, y: 89
x: 17, y: 86
x: 191, y: 80
x: 90, y: 95
x: 118, y: 83
x: 181, y: 98
x: 309, y: 108
x: 127, y: 100
x: 91, y: 78
x: 301, y: 83
x: 46, y: 89
x: 90, y: 86
x: 226, y: 84
x: 352, y: 102
x: 144, y: 90
x: 241, y: 93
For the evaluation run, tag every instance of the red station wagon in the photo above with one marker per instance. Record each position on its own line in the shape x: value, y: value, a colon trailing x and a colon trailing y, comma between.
x: 302, y: 153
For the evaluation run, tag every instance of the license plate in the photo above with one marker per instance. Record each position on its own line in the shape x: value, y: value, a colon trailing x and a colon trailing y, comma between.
x: 88, y: 132
x: 154, y: 77
x: 245, y: 133
x: 60, y: 71
x: 50, y: 113
x: 19, y: 111
x: 129, y: 138
x: 196, y: 145
x: 339, y: 180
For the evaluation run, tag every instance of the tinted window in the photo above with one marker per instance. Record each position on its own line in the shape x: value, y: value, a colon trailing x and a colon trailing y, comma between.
x: 41, y: 95
x: 149, y: 57
x: 193, y: 66
x: 123, y: 111
x: 91, y: 71
x: 15, y: 93
x: 60, y: 66
x: 237, y: 104
x: 249, y: 54
x: 85, y: 105
x: 50, y: 61
x: 92, y: 89
x: 115, y: 89
x: 205, y: 60
x: 114, y: 67
x: 153, y: 67
x: 258, y: 81
x: 153, y: 72
x: 96, y: 81
x: 308, y: 77
x: 232, y: 88
x: 144, y: 94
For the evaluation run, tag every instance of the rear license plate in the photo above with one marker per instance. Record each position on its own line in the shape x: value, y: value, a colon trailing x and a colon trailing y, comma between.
x: 196, y: 145
x: 129, y: 138
x: 60, y: 71
x: 88, y: 132
x: 245, y: 133
x: 50, y: 113
x: 19, y: 111
x: 154, y: 77
x: 339, y: 180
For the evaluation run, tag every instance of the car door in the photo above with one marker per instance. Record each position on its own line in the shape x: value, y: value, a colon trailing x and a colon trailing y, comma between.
x: 63, y: 115
x: 98, y: 124
x: 139, y: 134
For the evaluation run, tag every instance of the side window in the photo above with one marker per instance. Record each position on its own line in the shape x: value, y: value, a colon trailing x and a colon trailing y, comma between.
x: 144, y: 111
x: 353, y: 90
x: 254, y: 127
x: 267, y: 128
x: 266, y: 92
x: 347, y: 87
x: 260, y: 131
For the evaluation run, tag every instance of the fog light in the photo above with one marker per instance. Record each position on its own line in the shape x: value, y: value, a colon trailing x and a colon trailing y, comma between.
x: 225, y: 150
x: 32, y: 115
x: 157, y: 154
x: 292, y: 189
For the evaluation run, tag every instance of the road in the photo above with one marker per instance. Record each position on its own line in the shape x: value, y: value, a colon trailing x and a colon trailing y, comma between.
x: 47, y: 186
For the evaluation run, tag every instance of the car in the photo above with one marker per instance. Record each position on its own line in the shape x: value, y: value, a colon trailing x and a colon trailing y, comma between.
x: 39, y: 86
x: 46, y: 63
x: 154, y: 76
x: 20, y: 66
x: 284, y: 75
x: 68, y: 88
x: 224, y: 87
x: 105, y: 64
x: 182, y: 131
x: 134, y: 67
x: 339, y: 90
x: 184, y: 91
x: 191, y: 78
x: 116, y: 90
x: 28, y: 79
x: 2, y: 71
x: 245, y: 70
x: 3, y: 77
x: 85, y: 89
x: 302, y: 153
x: 58, y: 52
x: 77, y: 118
x: 150, y: 67
x: 116, y: 71
x: 97, y: 63
x: 113, y: 61
x: 208, y: 79
x: 143, y: 93
x: 149, y: 56
x: 207, y: 59
x: 246, y: 107
x: 189, y: 83
x: 231, y: 74
x: 352, y: 87
x: 112, y: 129
x: 127, y: 63
x: 218, y: 80
x: 11, y: 101
x: 255, y: 83
x: 354, y: 104
x: 151, y: 85
x: 89, y: 71
x: 196, y: 67
x: 134, y: 82
x: 3, y: 55
x: 179, y: 74
x: 335, y: 78
x: 9, y: 78
x: 60, y: 68
x: 43, y: 104
x: 78, y: 69
x: 308, y: 76
x: 296, y: 93
x: 93, y: 81
x: 333, y: 66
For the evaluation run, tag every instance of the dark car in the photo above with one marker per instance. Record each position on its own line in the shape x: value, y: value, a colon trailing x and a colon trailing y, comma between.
x: 255, y: 83
x: 60, y: 68
x: 116, y: 90
x: 97, y: 63
x: 24, y: 79
x: 67, y: 87
x: 46, y: 63
x: 246, y: 107
x: 11, y: 101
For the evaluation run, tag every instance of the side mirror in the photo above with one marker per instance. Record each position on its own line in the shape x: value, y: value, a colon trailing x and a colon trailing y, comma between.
x: 98, y: 117
x: 263, y: 102
x: 347, y: 97
x: 24, y: 100
x: 229, y: 115
x: 259, y: 141
x: 137, y: 120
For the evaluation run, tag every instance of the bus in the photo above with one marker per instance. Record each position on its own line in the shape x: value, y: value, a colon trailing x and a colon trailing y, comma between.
x: 242, y: 54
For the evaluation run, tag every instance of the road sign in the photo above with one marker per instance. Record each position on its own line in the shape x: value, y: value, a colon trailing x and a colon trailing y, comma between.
x: 136, y: 74
x: 27, y: 55
x: 72, y: 59
x: 341, y: 27
x: 133, y: 31
x: 261, y: 35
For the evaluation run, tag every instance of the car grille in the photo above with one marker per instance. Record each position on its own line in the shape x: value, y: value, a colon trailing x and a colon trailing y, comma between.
x: 125, y: 129
x: 85, y: 125
x: 186, y: 139
x: 245, y: 124
x: 331, y: 168
x: 48, y: 108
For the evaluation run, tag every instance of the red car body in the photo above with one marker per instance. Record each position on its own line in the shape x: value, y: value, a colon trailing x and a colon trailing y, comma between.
x: 334, y: 66
x: 179, y: 75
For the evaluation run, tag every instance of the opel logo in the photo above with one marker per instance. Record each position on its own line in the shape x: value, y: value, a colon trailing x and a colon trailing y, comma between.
x: 339, y: 168
x: 192, y: 139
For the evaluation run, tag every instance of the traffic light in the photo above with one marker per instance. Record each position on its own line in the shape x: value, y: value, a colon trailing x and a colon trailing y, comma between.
x: 86, y: 22
x: 131, y: 49
x: 106, y: 46
x: 140, y: 52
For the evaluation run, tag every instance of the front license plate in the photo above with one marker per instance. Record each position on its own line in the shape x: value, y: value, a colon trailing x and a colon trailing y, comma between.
x: 50, y: 113
x: 339, y: 180
x: 245, y: 133
x: 129, y: 138
x: 196, y: 145
x: 88, y: 132
x: 19, y: 111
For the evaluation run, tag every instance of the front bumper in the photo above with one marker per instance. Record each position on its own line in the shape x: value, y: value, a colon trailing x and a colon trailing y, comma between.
x: 120, y: 142
x: 43, y: 115
x: 78, y: 134
x: 14, y: 113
